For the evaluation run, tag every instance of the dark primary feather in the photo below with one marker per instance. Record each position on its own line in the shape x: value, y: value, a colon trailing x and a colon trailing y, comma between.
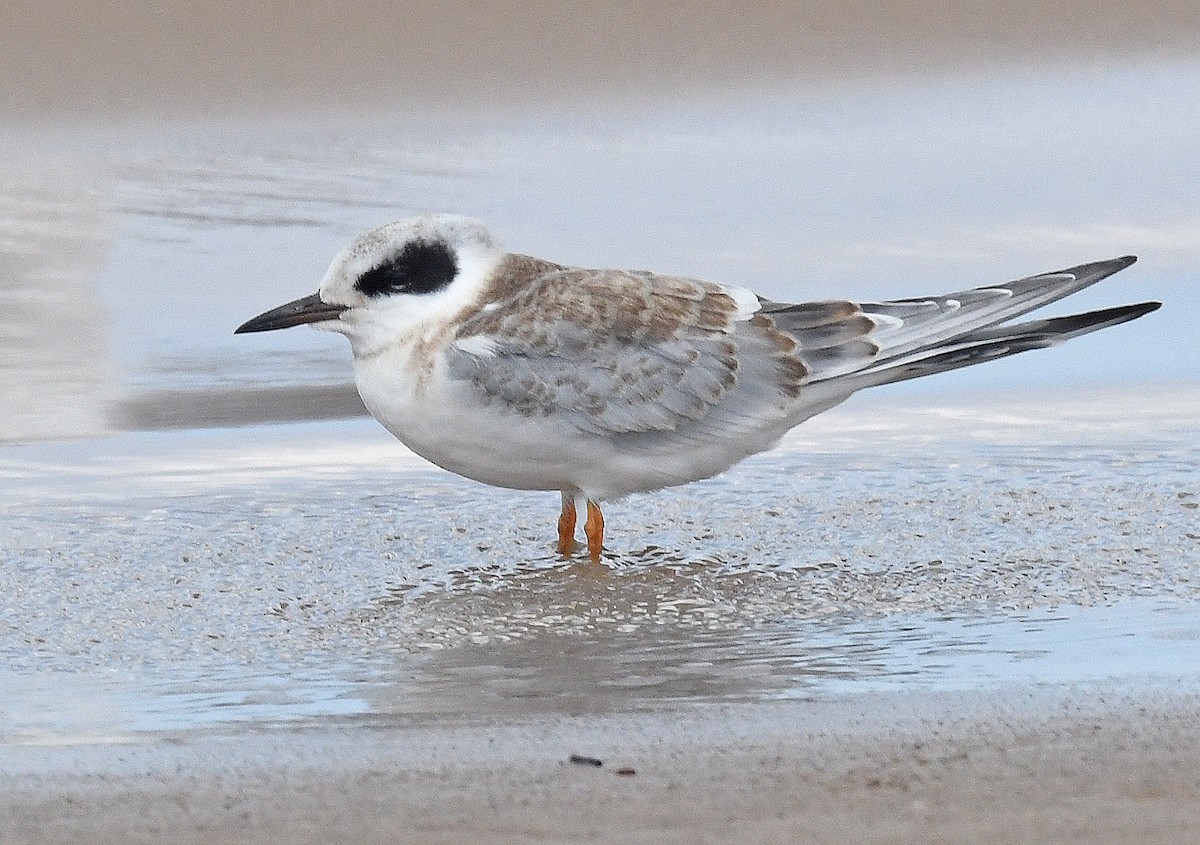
x: 880, y: 342
x: 1000, y: 341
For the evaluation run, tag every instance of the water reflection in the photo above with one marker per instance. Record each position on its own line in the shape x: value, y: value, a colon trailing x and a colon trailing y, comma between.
x: 611, y: 670
x: 56, y: 355
x: 614, y: 669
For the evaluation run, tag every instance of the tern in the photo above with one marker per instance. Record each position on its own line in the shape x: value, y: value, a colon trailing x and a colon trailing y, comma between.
x: 527, y: 374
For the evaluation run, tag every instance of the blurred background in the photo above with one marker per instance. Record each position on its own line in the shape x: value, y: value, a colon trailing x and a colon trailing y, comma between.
x: 172, y: 169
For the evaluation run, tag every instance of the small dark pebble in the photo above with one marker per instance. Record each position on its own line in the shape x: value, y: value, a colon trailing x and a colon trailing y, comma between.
x: 626, y: 771
x: 580, y: 760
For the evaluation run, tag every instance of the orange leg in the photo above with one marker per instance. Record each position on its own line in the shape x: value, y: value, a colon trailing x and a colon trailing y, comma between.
x: 594, y: 529
x: 566, y: 526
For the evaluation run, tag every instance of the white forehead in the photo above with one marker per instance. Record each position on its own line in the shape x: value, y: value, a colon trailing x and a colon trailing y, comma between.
x: 467, y: 237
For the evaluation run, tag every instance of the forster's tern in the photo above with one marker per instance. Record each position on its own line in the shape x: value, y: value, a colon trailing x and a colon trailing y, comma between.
x: 522, y: 373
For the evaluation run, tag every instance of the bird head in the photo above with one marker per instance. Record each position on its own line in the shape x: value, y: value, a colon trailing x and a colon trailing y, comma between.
x: 394, y: 279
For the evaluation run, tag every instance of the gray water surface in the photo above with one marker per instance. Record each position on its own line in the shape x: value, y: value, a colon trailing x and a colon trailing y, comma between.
x: 132, y: 255
x: 1031, y: 521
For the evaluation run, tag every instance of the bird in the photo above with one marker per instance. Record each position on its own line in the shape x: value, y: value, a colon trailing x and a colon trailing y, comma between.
x: 522, y: 373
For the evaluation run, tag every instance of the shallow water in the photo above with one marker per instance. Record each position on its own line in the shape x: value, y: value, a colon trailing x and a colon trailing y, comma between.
x: 134, y: 252
x: 155, y: 584
x: 319, y: 574
x: 1135, y: 642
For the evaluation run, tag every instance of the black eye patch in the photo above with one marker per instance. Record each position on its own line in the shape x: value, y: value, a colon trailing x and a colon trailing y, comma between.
x: 420, y: 267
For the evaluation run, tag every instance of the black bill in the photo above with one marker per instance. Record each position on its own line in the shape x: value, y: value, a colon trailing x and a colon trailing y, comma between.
x: 309, y: 309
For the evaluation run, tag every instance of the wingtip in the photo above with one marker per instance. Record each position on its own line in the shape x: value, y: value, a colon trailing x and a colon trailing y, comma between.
x: 1095, y: 271
x: 1113, y: 265
x: 1125, y: 313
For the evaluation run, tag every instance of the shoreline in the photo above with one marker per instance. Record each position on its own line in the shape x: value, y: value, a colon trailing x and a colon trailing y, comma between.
x: 235, y: 609
x: 327, y: 549
x: 1110, y: 764
x: 60, y: 60
x: 170, y: 409
x: 232, y: 407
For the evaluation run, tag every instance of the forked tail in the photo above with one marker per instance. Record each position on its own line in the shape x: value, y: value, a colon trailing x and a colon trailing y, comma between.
x: 859, y: 345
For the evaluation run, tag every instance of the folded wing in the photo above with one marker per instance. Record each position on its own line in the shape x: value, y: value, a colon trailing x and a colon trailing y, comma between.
x: 881, y: 342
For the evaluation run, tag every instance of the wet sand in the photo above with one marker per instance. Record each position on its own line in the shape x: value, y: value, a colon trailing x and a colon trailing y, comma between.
x: 156, y: 410
x: 875, y: 633
x: 112, y: 59
x: 1029, y: 766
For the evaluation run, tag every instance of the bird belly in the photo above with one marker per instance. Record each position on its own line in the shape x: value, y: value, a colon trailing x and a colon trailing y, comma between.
x: 444, y: 421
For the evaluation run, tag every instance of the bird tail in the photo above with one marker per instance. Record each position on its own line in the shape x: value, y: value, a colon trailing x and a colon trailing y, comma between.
x: 994, y: 342
x: 854, y: 346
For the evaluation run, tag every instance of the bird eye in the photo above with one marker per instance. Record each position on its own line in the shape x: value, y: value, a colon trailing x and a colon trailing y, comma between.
x: 420, y: 267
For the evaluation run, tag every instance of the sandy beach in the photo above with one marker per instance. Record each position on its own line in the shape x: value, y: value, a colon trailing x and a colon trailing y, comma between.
x: 301, y: 633
x: 147, y: 61
x: 1002, y: 766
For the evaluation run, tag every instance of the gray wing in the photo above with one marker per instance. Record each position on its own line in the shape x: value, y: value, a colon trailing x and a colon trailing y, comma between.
x: 881, y: 342
x: 614, y: 352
